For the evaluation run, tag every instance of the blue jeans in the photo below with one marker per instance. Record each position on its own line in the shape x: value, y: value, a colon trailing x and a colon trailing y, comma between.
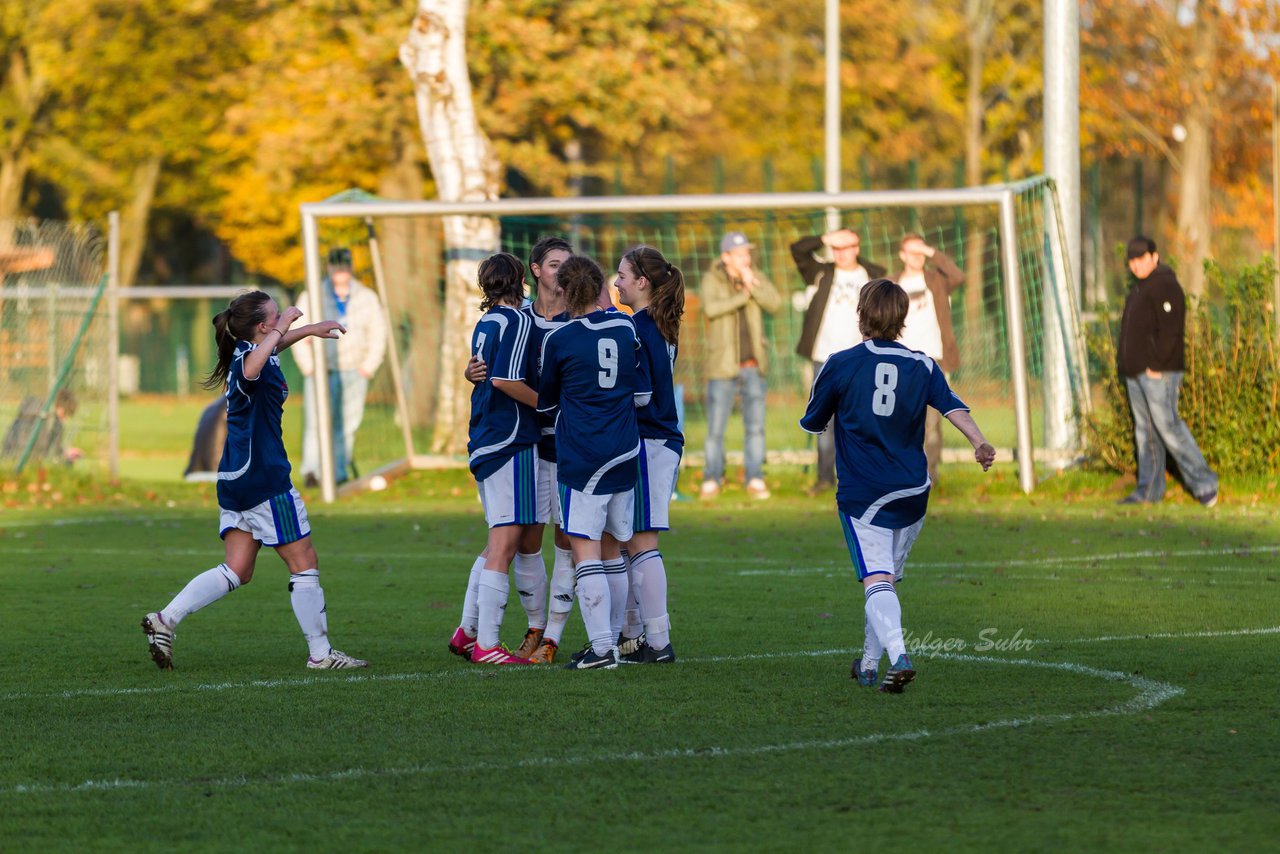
x: 1157, y: 430
x: 347, y: 391
x: 720, y: 393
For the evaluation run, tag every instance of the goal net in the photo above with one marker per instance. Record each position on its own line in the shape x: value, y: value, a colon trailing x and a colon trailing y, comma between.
x: 1022, y: 367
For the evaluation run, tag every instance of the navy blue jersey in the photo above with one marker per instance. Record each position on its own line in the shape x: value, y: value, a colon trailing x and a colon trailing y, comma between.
x: 538, y: 333
x: 591, y: 381
x: 658, y: 420
x: 254, y: 466
x: 501, y: 426
x: 878, y: 392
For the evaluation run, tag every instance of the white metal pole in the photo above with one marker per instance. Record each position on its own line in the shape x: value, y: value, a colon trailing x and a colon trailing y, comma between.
x: 113, y: 343
x: 831, y: 112
x: 1017, y: 346
x: 320, y: 378
x: 393, y: 351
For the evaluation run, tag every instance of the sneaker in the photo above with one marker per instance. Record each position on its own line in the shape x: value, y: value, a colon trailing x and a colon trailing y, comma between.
x: 498, y: 655
x: 648, y: 655
x: 591, y: 661
x: 757, y: 489
x: 866, y: 678
x: 532, y: 639
x: 159, y: 640
x: 710, y: 489
x: 1209, y: 500
x: 1130, y: 499
x: 628, y: 646
x: 545, y: 653
x: 822, y: 487
x: 335, y: 660
x: 897, y: 677
x: 462, y: 643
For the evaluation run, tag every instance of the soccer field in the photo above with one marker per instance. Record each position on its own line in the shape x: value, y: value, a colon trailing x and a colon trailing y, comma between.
x: 1089, y: 678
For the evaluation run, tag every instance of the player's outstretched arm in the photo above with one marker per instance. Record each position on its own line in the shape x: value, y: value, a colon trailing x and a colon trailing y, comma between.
x: 983, y: 453
x: 323, y: 329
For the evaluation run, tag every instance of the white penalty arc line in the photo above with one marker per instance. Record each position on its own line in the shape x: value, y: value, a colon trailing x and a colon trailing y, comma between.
x: 1151, y: 693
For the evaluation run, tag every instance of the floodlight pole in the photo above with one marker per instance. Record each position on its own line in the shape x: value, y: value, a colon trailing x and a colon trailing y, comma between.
x: 831, y: 161
x: 320, y: 380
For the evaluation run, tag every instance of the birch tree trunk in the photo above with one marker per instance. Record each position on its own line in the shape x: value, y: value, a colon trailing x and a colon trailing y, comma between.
x: 465, y: 168
x: 1194, y: 205
x: 979, y: 18
x: 134, y: 218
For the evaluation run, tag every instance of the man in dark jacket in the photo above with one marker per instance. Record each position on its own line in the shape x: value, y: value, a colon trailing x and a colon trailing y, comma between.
x: 1151, y: 356
x: 831, y: 315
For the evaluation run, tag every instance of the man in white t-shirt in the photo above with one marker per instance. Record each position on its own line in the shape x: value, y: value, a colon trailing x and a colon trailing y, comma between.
x: 929, y: 277
x: 830, y: 304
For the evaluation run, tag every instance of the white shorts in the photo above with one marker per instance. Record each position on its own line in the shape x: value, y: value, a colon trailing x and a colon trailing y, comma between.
x: 277, y: 521
x: 659, y: 468
x: 878, y: 550
x: 548, y: 493
x: 589, y: 516
x: 510, y: 495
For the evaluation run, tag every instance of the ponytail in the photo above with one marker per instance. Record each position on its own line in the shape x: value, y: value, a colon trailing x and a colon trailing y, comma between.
x: 232, y: 324
x: 666, y: 289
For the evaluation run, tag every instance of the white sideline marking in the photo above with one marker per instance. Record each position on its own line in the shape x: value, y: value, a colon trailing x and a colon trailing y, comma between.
x: 1226, y: 633
x: 1151, y: 693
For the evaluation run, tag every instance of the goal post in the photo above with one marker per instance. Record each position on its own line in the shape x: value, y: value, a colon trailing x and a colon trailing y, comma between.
x: 1029, y: 327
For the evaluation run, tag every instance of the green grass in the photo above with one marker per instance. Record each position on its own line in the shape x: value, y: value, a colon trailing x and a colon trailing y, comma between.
x: 1142, y: 717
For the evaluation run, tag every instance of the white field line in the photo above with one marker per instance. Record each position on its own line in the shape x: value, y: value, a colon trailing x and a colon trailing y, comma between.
x: 1151, y: 693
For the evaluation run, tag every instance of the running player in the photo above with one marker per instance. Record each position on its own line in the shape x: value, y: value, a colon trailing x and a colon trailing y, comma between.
x: 259, y: 505
x: 654, y: 290
x: 877, y: 392
x: 503, y: 454
x: 591, y: 381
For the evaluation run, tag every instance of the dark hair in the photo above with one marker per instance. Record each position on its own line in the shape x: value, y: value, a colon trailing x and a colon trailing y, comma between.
x: 910, y: 235
x: 582, y: 281
x: 232, y: 324
x: 501, y: 278
x: 340, y: 258
x: 666, y: 289
x: 545, y: 244
x: 882, y: 309
x: 1138, y: 247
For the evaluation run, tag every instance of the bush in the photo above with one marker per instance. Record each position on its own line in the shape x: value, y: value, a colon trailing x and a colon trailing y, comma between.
x: 1231, y: 391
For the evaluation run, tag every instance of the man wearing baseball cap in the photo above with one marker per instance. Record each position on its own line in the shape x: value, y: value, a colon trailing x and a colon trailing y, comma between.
x: 1151, y: 357
x: 734, y: 295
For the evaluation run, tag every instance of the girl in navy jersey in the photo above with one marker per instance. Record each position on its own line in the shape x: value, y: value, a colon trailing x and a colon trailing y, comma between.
x: 259, y: 505
x: 654, y: 289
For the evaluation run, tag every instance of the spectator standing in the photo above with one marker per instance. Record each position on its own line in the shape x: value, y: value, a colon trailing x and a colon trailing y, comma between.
x: 735, y: 297
x: 830, y: 305
x: 350, y: 361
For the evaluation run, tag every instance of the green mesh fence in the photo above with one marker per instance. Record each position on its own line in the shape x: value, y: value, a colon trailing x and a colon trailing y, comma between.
x: 413, y: 261
x: 53, y: 354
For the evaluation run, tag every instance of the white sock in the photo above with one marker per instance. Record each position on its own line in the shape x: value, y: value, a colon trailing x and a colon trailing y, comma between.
x: 205, y: 589
x: 561, y: 601
x: 651, y: 587
x: 593, y: 600
x: 631, y: 625
x: 531, y: 584
x: 307, y: 597
x: 615, y: 572
x: 872, y: 649
x: 884, y: 613
x: 492, y: 598
x: 471, y: 601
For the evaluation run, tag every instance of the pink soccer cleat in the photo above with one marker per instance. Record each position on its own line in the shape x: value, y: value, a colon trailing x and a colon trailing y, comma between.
x: 498, y: 655
x: 462, y: 643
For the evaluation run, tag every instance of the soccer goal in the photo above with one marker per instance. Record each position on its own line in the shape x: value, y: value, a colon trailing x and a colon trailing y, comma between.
x: 1022, y: 362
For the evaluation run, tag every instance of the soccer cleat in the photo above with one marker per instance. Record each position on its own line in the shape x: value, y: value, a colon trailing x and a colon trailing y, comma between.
x: 628, y: 646
x: 866, y: 678
x: 648, y: 655
x: 497, y: 655
x: 545, y: 653
x: 580, y: 653
x: 532, y: 639
x: 159, y: 640
x: 462, y: 643
x: 1209, y: 500
x: 897, y: 676
x: 335, y: 660
x: 1131, y: 498
x: 757, y: 489
x: 591, y: 661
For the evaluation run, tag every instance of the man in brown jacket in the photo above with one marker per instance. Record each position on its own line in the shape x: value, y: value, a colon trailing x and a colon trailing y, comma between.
x: 929, y: 277
x: 734, y: 294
